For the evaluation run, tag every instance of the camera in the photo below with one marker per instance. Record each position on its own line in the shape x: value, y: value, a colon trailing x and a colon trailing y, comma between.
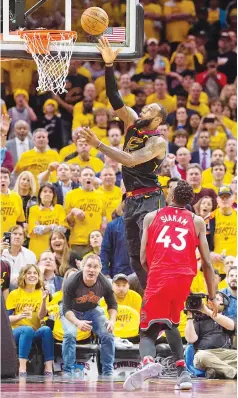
x: 194, y: 302
x: 7, y: 237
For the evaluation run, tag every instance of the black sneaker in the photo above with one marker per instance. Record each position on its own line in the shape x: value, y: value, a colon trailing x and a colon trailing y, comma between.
x: 184, y: 381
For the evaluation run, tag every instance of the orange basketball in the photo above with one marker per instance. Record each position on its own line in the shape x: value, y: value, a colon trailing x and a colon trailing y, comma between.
x: 94, y: 20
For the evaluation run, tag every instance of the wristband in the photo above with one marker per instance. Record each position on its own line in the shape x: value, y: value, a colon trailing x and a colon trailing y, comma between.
x: 188, y: 319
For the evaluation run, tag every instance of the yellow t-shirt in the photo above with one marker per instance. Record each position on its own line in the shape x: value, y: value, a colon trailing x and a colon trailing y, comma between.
x: 37, y: 162
x: 229, y: 166
x: 132, y: 299
x: 44, y: 216
x: 207, y: 177
x: 129, y: 100
x: 84, y: 72
x: 139, y: 66
x: 202, y: 108
x: 81, y: 119
x: 54, y: 313
x: 71, y: 148
x: 112, y: 199
x: 190, y: 142
x: 18, y: 299
x: 190, y: 64
x: 96, y: 164
x: 100, y: 133
x: 11, y: 211
x: 218, y: 141
x: 176, y: 31
x: 116, y: 13
x: 168, y: 102
x: 149, y: 25
x: 20, y: 73
x: 213, y: 15
x: 3, y: 108
x: 100, y: 85
x: 203, y: 98
x: 93, y: 206
x: 225, y: 235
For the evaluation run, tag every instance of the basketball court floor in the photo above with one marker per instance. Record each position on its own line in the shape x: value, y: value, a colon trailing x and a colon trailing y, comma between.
x: 36, y: 387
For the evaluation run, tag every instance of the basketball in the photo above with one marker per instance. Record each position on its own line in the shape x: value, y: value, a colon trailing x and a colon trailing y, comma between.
x: 94, y: 20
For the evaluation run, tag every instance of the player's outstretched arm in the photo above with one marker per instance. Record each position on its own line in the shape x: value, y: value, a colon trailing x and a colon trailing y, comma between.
x: 126, y: 114
x: 155, y: 147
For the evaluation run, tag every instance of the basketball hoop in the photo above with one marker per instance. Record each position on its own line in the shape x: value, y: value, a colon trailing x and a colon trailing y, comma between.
x: 51, y: 51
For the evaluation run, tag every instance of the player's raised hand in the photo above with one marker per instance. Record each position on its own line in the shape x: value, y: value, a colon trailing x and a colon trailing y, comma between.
x: 89, y: 136
x: 108, y: 54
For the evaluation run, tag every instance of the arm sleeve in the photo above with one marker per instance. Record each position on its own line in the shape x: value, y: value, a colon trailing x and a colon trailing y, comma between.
x: 106, y: 251
x: 112, y: 90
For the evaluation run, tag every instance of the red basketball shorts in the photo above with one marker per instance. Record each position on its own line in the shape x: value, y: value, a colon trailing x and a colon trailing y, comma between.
x: 166, y: 304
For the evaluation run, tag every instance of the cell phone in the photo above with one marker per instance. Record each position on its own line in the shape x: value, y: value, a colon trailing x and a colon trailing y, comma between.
x: 7, y: 237
x: 209, y: 120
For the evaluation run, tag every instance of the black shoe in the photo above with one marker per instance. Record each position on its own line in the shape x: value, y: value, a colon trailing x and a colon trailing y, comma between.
x: 184, y: 381
x: 211, y: 373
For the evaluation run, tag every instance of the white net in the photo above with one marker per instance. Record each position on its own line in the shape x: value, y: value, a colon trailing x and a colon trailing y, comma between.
x: 52, y: 54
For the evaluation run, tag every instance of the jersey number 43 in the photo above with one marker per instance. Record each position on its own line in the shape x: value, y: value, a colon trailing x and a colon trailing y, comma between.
x: 166, y: 239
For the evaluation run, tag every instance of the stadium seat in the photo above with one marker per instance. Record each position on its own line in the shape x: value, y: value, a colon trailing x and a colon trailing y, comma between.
x: 189, y: 356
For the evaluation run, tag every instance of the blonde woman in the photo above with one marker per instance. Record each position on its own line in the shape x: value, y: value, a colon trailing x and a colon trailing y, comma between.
x: 26, y: 307
x: 25, y: 186
x: 64, y: 257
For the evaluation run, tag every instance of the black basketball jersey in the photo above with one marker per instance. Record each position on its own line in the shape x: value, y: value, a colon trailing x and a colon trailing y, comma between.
x: 143, y: 175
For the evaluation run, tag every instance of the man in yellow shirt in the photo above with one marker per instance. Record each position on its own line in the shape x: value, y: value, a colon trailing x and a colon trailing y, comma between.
x: 11, y: 204
x: 37, y: 159
x: 19, y: 73
x: 123, y: 294
x: 152, y: 15
x: 194, y: 100
x: 223, y: 228
x: 217, y: 155
x: 84, y: 159
x: 161, y: 95
x: 161, y: 63
x: 101, y: 118
x: 112, y: 194
x: 178, y: 16
x: 218, y: 172
x: 85, y: 211
x: 231, y: 154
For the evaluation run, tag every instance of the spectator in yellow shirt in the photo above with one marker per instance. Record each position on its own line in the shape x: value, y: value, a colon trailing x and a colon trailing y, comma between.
x: 101, y: 118
x: 116, y: 11
x: 11, y: 204
x: 112, y: 194
x: 161, y: 63
x: 37, y: 159
x: 161, y: 95
x: 84, y: 159
x: 217, y: 155
x: 75, y: 172
x: 85, y: 211
x: 231, y: 154
x: 85, y: 116
x: 152, y: 19
x: 218, y: 173
x: 44, y: 218
x: 217, y: 139
x: 194, y: 101
x: 114, y: 139
x: 123, y: 294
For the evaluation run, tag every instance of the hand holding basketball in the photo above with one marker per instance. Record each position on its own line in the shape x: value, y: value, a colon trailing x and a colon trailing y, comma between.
x: 108, y: 54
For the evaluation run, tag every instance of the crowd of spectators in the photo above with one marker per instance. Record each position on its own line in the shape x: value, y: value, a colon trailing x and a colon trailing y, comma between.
x: 62, y: 199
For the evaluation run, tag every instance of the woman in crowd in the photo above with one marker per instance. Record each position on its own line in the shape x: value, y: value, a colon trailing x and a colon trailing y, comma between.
x: 204, y: 206
x: 26, y: 307
x: 17, y: 255
x: 45, y: 218
x: 180, y: 122
x: 230, y: 108
x: 193, y: 124
x: 180, y: 138
x: 48, y: 268
x: 25, y: 186
x: 95, y: 242
x: 64, y: 257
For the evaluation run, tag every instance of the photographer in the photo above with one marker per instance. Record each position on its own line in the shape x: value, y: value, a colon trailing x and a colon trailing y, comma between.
x: 212, y: 340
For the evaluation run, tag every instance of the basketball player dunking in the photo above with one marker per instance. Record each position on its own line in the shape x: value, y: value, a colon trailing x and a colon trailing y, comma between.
x: 143, y: 152
x: 170, y: 237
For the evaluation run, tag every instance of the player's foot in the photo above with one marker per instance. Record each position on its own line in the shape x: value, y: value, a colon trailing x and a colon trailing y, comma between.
x: 135, y: 381
x: 184, y: 381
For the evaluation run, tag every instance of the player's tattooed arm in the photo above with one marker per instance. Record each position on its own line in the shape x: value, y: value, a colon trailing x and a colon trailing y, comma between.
x: 155, y: 147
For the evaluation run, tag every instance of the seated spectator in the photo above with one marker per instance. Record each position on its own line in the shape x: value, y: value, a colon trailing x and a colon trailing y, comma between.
x: 203, y: 154
x: 47, y: 266
x: 83, y: 158
x: 140, y: 100
x: 231, y: 108
x: 211, y: 80
x: 64, y: 183
x: 218, y: 172
x: 85, y: 212
x: 223, y: 227
x: 5, y: 274
x: 193, y: 52
x: 22, y: 110
x: 11, y: 204
x: 101, y: 118
x: 193, y: 125
x: 148, y: 75
x: 64, y: 257
x: 211, y: 337
x: 217, y: 108
x: 231, y: 292
x: 183, y: 157
x: 161, y: 95
x: 230, y: 154
x: 175, y: 76
x: 194, y: 178
x: 26, y: 307
x: 25, y: 186
x: 217, y: 155
x: 37, y: 159
x: 5, y: 155
x: 111, y: 193
x: 180, y: 138
x: 22, y: 141
x: 17, y: 255
x: 95, y: 242
x: 108, y: 162
x: 45, y: 217
x: 181, y: 119
x: 123, y: 294
x: 75, y: 173
x: 83, y: 312
x: 51, y: 122
x: 194, y: 101
x: 125, y: 90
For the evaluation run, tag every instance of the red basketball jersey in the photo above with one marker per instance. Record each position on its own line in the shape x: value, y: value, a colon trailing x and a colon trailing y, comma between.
x: 172, y: 242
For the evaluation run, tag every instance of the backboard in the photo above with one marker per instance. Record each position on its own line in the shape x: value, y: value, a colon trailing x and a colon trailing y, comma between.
x: 126, y: 25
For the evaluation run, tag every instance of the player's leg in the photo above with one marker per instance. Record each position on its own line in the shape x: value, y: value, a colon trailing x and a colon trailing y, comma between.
x: 149, y: 368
